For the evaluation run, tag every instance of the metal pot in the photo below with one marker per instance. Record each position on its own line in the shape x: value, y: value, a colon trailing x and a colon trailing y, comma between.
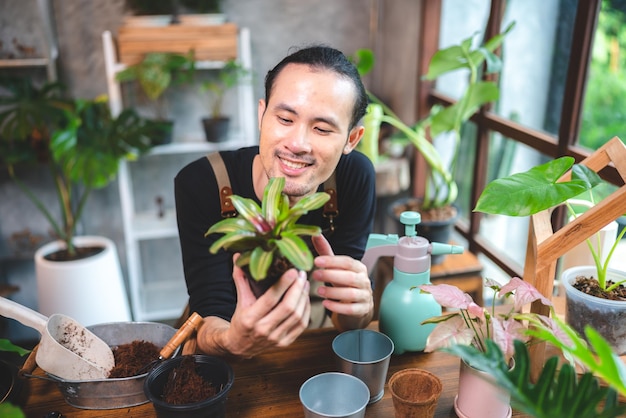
x: 116, y: 392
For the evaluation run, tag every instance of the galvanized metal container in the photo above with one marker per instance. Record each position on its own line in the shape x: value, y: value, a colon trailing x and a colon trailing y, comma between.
x: 117, y: 392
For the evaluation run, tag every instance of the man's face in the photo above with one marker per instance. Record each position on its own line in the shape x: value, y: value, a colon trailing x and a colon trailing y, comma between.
x: 305, y: 127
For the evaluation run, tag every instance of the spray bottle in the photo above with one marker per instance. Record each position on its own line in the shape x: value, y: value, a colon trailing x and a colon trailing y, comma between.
x: 403, y: 306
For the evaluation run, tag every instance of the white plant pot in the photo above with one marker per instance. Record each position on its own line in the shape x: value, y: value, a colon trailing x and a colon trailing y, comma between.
x: 608, y: 317
x: 90, y: 290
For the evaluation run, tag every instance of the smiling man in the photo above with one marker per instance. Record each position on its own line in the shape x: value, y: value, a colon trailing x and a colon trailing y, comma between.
x: 309, y: 126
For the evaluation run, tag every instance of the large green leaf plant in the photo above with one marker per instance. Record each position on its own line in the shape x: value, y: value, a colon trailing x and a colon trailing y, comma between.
x: 442, y: 189
x: 540, y: 188
x: 270, y: 231
x: 80, y: 141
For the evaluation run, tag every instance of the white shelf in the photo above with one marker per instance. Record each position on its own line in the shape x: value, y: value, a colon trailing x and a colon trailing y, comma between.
x: 164, y: 298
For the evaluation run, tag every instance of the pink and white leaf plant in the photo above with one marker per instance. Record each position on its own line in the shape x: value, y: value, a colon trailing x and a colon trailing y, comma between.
x: 471, y: 324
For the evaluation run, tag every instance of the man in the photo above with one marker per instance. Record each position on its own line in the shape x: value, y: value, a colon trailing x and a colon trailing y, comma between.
x: 309, y: 127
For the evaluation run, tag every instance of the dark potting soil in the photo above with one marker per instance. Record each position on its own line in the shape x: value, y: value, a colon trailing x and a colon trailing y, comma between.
x: 131, y: 359
x: 590, y: 286
x: 184, y: 385
x: 81, y: 252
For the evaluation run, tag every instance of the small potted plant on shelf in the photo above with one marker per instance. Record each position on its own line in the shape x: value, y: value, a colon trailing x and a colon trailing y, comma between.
x: 156, y: 72
x: 220, y: 82
x: 268, y: 237
x: 492, y: 344
x: 437, y: 205
x: 595, y: 295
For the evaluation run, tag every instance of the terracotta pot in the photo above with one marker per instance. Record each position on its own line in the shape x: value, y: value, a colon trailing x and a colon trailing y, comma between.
x: 479, y: 396
x: 415, y: 393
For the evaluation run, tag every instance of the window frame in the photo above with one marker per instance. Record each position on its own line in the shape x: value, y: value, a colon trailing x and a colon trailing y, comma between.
x: 553, y: 146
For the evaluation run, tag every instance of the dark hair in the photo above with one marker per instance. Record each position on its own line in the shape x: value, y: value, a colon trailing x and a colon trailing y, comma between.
x: 320, y: 56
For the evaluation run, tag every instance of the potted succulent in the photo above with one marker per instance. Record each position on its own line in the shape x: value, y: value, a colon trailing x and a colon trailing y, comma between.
x: 220, y: 81
x: 541, y: 188
x: 155, y: 73
x: 436, y: 206
x: 82, y: 144
x: 268, y: 237
x: 493, y: 346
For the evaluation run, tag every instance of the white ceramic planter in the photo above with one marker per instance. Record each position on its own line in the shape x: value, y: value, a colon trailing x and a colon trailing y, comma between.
x: 90, y: 290
x: 608, y: 317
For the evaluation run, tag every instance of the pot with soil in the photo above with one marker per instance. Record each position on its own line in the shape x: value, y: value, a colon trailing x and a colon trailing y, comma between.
x: 190, y: 386
x: 586, y: 304
x: 436, y: 224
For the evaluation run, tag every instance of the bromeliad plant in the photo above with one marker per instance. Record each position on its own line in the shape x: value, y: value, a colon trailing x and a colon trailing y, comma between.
x: 267, y: 234
x: 540, y: 188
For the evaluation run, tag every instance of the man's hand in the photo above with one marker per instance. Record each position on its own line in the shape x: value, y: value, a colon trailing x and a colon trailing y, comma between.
x: 276, y: 319
x: 347, y: 291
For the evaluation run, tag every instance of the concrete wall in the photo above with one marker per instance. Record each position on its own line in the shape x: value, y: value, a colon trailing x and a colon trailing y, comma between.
x: 388, y: 27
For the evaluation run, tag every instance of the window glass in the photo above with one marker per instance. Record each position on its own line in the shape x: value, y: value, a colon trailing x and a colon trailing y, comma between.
x: 510, y: 234
x: 604, y: 106
x: 535, y: 57
x: 460, y: 19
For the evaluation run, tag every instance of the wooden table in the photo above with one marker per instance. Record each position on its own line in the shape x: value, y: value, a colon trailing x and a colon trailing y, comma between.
x: 268, y: 385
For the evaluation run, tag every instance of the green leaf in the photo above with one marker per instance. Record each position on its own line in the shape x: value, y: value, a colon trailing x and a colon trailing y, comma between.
x: 230, y: 225
x: 250, y: 210
x: 294, y: 249
x: 6, y: 345
x: 272, y: 198
x: 530, y: 192
x: 228, y: 241
x: 8, y: 410
x: 364, y: 60
x: 260, y: 262
x: 305, y: 230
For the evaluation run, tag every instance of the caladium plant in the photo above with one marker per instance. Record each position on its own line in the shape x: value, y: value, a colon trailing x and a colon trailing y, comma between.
x: 270, y: 232
x: 474, y: 325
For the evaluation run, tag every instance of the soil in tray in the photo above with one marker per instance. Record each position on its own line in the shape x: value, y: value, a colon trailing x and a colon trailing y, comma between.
x: 184, y: 385
x: 131, y: 359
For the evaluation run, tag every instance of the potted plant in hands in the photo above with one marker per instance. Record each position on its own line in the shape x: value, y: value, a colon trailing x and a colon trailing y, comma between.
x: 492, y: 345
x: 82, y: 146
x: 602, y: 304
x: 436, y: 206
x: 217, y: 124
x: 155, y: 73
x: 268, y: 237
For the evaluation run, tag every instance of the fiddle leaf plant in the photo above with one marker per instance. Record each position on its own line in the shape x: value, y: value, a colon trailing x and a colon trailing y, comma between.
x: 263, y: 234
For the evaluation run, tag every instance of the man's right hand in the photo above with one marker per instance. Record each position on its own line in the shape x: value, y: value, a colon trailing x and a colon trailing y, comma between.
x: 275, y: 319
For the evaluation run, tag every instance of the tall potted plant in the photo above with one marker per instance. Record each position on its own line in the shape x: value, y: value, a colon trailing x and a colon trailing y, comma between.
x: 436, y: 207
x: 156, y: 72
x: 220, y: 82
x: 82, y: 144
x: 541, y: 188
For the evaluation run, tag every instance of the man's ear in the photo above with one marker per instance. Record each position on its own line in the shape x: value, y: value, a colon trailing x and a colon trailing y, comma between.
x: 260, y: 112
x: 353, y: 139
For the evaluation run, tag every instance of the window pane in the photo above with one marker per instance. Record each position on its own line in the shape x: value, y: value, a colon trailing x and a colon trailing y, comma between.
x: 535, y: 57
x: 604, y: 108
x: 510, y: 234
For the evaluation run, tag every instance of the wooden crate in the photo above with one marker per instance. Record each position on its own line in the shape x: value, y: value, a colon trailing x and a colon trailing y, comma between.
x: 210, y: 43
